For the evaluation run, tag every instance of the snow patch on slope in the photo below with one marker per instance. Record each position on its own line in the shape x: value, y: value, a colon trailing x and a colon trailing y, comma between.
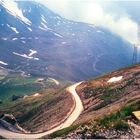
x: 45, y: 26
x: 36, y: 38
x: 58, y: 35
x: 63, y: 43
x: 14, y: 39
x: 115, y: 79
x: 29, y: 29
x: 43, y: 18
x: 42, y: 28
x: 32, y: 52
x: 29, y: 56
x: 13, y: 9
x: 4, y: 38
x: 3, y: 63
x: 22, y: 38
x: 23, y: 42
x: 13, y: 28
x: 98, y: 31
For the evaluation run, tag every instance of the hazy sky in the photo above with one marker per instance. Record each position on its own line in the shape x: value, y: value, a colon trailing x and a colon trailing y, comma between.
x: 104, y: 13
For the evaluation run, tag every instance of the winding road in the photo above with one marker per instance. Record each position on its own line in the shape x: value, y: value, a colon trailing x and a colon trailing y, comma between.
x: 70, y: 119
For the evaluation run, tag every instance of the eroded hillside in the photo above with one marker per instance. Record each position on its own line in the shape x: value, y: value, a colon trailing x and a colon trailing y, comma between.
x: 35, y: 110
x: 108, y: 106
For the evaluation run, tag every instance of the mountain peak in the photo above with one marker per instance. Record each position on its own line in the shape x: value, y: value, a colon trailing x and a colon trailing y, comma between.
x: 13, y: 9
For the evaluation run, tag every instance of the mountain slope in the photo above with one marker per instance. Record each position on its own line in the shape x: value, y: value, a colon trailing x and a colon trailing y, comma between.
x: 108, y: 107
x: 108, y: 103
x: 40, y: 42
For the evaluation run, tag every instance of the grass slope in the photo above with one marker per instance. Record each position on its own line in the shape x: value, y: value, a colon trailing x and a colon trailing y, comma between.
x: 35, y: 113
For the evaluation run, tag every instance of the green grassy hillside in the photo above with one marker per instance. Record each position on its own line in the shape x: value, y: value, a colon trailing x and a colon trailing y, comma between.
x: 34, y: 112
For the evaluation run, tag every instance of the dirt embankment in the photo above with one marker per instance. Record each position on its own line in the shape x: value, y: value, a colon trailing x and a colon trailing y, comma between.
x: 41, y: 113
x: 101, y: 98
x: 108, y: 106
x: 50, y: 114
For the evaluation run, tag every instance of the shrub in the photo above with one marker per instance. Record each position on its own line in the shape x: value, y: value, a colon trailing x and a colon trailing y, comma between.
x: 64, y: 131
x: 121, y: 125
